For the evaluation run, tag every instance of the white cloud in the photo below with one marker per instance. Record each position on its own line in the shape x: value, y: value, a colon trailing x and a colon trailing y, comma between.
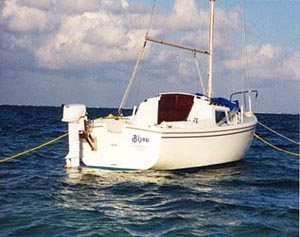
x: 269, y: 62
x: 268, y: 51
x: 182, y: 8
x: 86, y: 33
x: 107, y: 31
x: 74, y: 7
x: 184, y: 16
x: 291, y: 66
x: 90, y: 38
x: 41, y: 4
x: 23, y: 42
x: 82, y: 32
x: 115, y: 5
x: 77, y: 6
x: 22, y: 18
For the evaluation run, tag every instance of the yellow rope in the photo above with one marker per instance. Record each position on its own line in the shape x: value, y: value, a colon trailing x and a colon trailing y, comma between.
x: 275, y: 147
x: 65, y: 134
x: 34, y: 148
x: 111, y: 116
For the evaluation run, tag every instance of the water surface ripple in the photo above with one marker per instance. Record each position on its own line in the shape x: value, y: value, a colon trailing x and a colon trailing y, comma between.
x: 38, y: 197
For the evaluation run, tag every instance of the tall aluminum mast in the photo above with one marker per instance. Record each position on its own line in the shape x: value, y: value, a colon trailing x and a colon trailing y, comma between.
x: 211, y: 45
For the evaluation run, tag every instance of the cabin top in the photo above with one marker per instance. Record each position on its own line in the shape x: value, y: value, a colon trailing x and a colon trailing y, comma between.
x: 179, y: 107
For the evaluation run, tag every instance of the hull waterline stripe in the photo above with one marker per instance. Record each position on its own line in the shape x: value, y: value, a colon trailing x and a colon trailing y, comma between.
x: 108, y: 168
x: 205, y: 136
x: 159, y: 130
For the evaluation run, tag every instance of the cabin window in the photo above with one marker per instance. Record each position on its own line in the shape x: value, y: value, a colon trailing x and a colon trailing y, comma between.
x: 220, y: 115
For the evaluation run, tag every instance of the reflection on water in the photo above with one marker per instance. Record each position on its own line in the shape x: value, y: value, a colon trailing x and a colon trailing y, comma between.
x: 167, y: 199
x: 202, y: 176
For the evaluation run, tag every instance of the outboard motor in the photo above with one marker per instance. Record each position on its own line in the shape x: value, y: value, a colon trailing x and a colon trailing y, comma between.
x: 74, y: 115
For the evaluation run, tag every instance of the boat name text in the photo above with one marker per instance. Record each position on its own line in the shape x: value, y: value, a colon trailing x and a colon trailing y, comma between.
x: 139, y: 139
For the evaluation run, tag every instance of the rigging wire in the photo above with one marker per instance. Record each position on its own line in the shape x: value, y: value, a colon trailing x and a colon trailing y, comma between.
x: 151, y: 17
x: 142, y: 59
x: 139, y: 58
x: 199, y: 73
x: 245, y: 43
x: 277, y: 133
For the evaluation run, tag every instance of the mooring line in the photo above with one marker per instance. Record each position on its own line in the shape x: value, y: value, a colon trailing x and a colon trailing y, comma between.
x: 275, y: 147
x: 65, y: 134
x: 34, y: 148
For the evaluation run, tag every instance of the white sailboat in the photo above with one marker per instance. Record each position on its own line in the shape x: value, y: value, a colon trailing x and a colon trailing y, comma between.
x: 171, y: 131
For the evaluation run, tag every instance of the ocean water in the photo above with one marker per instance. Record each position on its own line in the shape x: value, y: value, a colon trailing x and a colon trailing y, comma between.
x: 258, y: 196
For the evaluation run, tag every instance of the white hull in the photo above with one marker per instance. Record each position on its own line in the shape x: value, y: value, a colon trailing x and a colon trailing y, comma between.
x: 141, y: 149
x: 204, y: 148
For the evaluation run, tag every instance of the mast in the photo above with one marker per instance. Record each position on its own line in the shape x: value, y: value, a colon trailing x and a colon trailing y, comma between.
x: 211, y: 44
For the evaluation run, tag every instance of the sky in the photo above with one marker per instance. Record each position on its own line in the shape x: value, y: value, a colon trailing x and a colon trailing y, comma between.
x: 55, y: 52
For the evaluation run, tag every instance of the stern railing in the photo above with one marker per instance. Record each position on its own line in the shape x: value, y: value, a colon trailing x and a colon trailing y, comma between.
x: 246, y: 98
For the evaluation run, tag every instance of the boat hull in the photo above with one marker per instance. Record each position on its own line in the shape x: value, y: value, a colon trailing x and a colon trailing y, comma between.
x: 181, y: 151
x: 131, y: 148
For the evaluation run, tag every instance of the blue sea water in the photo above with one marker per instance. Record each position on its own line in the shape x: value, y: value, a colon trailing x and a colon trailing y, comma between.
x: 257, y: 196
